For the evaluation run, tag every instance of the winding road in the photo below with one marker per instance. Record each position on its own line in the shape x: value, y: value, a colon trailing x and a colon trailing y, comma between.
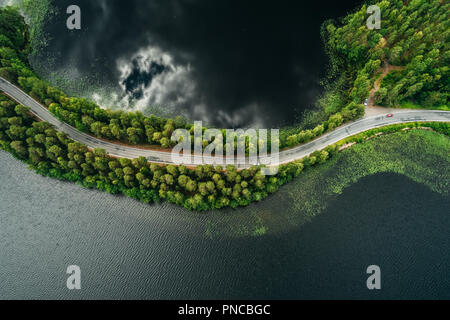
x: 164, y: 157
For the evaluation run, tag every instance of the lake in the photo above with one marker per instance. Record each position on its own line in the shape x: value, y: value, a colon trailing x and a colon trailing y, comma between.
x: 230, y: 63
x: 128, y: 250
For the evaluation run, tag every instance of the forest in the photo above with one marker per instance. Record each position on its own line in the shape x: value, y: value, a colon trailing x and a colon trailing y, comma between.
x: 412, y: 46
x: 413, y: 41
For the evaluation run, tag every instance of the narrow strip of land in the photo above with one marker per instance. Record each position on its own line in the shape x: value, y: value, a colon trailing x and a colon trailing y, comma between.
x: 286, y: 156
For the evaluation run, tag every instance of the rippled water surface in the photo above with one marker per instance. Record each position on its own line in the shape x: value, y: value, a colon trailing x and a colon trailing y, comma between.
x: 131, y: 250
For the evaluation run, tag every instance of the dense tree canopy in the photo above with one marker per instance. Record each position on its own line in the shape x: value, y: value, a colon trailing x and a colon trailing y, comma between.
x: 414, y: 35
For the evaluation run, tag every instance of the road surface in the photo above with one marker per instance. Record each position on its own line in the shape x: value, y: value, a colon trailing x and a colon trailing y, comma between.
x: 162, y: 157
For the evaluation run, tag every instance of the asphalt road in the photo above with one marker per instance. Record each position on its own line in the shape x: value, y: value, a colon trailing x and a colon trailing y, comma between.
x: 166, y: 157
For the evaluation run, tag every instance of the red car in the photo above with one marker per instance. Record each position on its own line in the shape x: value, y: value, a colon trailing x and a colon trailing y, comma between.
x: 390, y: 115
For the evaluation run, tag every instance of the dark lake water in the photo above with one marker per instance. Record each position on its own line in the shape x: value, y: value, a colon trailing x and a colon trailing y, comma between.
x: 228, y: 62
x: 130, y: 250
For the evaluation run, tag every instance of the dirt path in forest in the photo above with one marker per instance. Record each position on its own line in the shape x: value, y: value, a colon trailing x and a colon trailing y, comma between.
x: 371, y: 108
x: 385, y: 71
